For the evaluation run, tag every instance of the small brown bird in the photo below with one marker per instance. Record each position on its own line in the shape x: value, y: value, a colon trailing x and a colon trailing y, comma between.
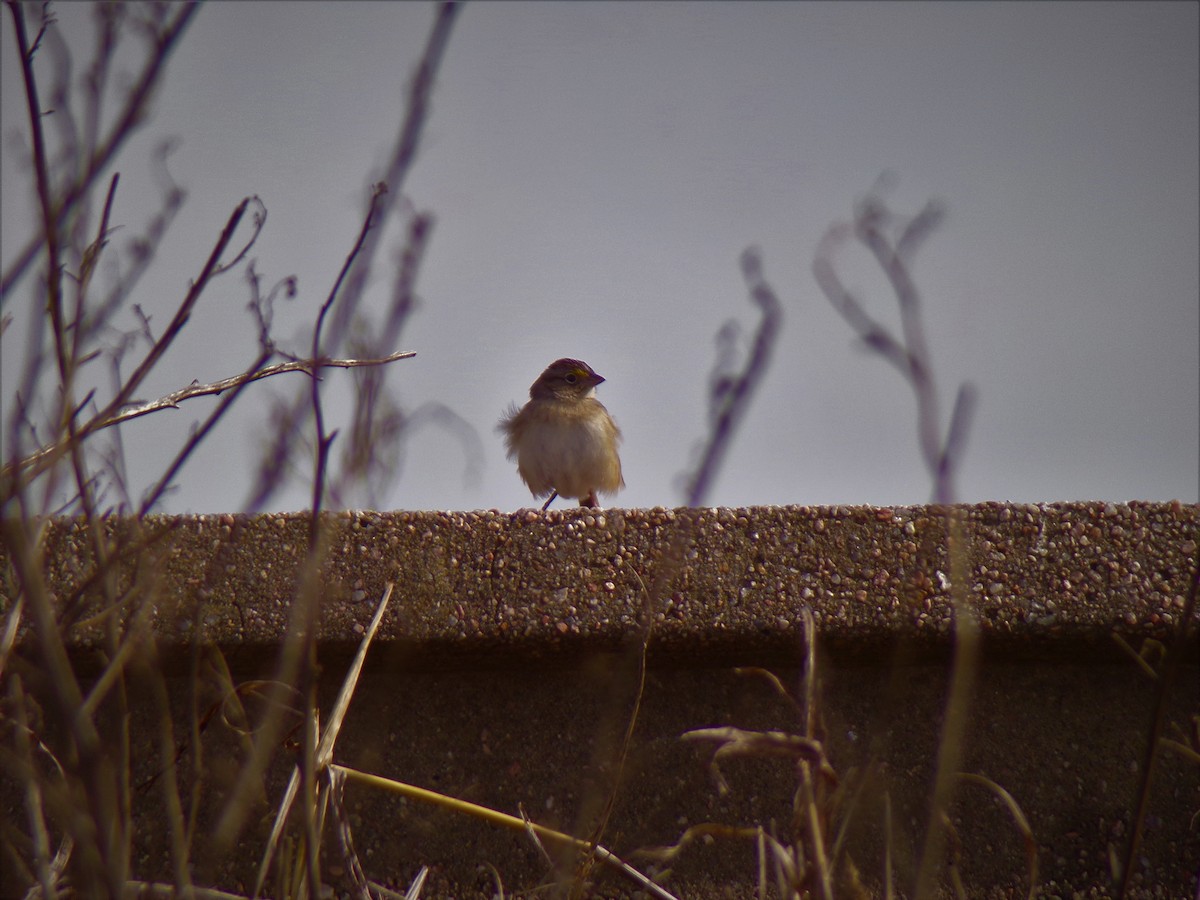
x: 563, y: 439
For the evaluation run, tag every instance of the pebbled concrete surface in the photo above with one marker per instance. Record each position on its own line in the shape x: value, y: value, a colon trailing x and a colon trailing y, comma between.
x: 483, y: 581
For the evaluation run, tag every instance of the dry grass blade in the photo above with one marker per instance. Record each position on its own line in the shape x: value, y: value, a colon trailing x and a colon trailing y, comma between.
x: 651, y: 600
x: 695, y: 832
x: 496, y: 880
x: 338, y: 715
x: 1022, y: 823
x: 810, y: 673
x: 787, y: 870
x: 1182, y: 749
x: 1137, y: 658
x: 820, y: 859
x: 341, y: 820
x: 49, y: 872
x: 507, y: 821
x: 12, y: 623
x: 761, y: 853
x: 533, y: 836
x: 414, y: 889
x: 327, y: 741
x: 770, y: 678
x: 285, y: 806
x: 734, y: 742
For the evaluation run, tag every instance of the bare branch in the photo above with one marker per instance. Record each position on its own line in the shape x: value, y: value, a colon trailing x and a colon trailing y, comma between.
x: 73, y: 440
x: 372, y: 451
x: 407, y: 142
x: 908, y: 353
x: 130, y: 117
x: 325, y: 441
x: 172, y: 400
x: 288, y: 420
x: 731, y: 393
x: 198, y: 435
x: 211, y: 268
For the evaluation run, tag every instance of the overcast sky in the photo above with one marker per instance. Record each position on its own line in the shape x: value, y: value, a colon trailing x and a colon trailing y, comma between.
x: 596, y: 170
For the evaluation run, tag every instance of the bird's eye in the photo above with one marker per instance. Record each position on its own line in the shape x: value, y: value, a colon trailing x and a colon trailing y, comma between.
x: 570, y: 378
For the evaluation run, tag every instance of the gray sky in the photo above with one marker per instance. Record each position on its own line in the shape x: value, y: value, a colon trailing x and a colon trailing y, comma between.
x: 597, y: 169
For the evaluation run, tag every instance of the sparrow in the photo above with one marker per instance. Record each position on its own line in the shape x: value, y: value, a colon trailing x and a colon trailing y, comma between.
x: 563, y: 439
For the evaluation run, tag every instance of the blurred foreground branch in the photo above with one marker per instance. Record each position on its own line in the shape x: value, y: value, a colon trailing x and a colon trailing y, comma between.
x: 908, y: 352
x: 731, y: 392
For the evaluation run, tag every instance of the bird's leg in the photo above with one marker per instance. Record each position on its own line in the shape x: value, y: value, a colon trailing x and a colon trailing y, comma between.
x: 589, y: 500
x: 553, y: 497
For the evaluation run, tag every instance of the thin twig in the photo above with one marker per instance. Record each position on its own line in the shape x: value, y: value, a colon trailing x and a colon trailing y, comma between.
x: 51, y: 222
x: 10, y: 483
x: 132, y: 115
x: 323, y: 440
x: 372, y: 451
x: 198, y: 435
x: 172, y: 400
x: 212, y: 267
x: 87, y: 266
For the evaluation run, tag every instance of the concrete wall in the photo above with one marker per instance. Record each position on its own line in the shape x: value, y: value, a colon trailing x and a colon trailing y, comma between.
x: 506, y: 668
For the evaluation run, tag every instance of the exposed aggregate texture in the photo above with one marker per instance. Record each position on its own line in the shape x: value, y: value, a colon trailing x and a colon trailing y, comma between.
x: 705, y: 576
